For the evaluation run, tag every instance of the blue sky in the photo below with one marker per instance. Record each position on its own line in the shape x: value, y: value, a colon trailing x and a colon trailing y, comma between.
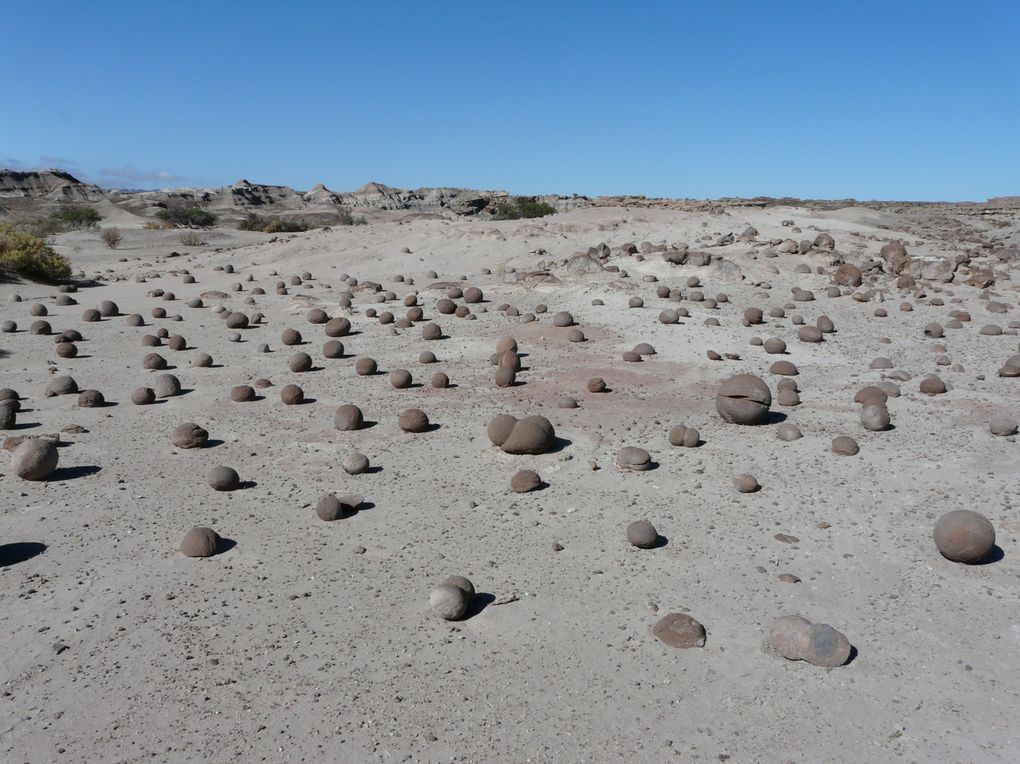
x: 893, y: 100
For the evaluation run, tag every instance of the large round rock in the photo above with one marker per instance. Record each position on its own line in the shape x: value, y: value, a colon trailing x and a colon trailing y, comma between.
x: 34, y: 459
x: 743, y: 399
x: 963, y: 536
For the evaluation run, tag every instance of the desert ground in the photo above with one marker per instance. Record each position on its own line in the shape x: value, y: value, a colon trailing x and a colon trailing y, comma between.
x: 309, y: 640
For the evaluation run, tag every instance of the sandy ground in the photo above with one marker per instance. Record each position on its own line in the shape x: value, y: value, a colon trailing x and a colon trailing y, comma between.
x: 313, y: 641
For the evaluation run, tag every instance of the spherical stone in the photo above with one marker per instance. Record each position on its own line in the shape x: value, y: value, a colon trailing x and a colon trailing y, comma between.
x: 292, y: 395
x: 791, y: 636
x: 880, y: 363
x: 875, y: 417
x: 8, y: 327
x: 932, y: 385
x: 774, y: 346
x: 333, y: 349
x: 8, y: 415
x: 90, y: 316
x: 669, y: 316
x: 642, y: 534
x: 754, y: 316
x: 509, y: 359
x: 348, y: 417
x: 596, y: 385
x: 108, y: 308
x: 414, y: 314
x: 679, y: 630
x: 37, y: 309
x: 788, y: 398
x: 67, y: 349
x: 151, y: 340
x: 439, y: 380
x: 449, y: 602
x: 242, y: 393
x: 505, y: 377
x: 643, y: 348
x: 788, y: 432
x: 290, y: 337
x: 566, y: 402
x: 223, y: 479
x: 631, y: 357
x: 167, y: 386
x: 413, y: 420
x: 355, y: 463
x: 177, y: 342
x: 445, y: 306
x: 784, y: 368
x: 300, y: 362
x: 332, y: 507
x: 746, y: 483
x: 525, y: 481
x: 91, y: 399
x: 933, y: 330
x: 472, y: 294
x: 809, y: 334
x: 563, y: 318
x: 1003, y: 425
x: 189, y: 435
x: 963, y: 536
x: 62, y: 385
x: 317, y: 316
x: 634, y: 458
x: 575, y: 335
x: 400, y: 379
x: 142, y: 396
x: 635, y: 302
x: 201, y: 542
x: 826, y: 647
x: 431, y: 331
x: 337, y: 327
x: 42, y: 328
x: 237, y: 321
x: 201, y: 360
x: 506, y: 344
x: 684, y: 436
x: 427, y: 357
x: 499, y: 428
x: 871, y: 395
x: 154, y: 361
x: 743, y: 399
x: 365, y: 367
x: 35, y: 459
x: 844, y: 445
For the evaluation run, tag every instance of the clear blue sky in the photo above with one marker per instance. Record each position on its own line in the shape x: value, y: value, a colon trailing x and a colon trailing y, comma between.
x: 901, y: 99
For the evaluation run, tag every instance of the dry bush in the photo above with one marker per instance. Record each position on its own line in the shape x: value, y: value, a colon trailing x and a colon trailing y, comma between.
x: 192, y: 239
x: 111, y: 237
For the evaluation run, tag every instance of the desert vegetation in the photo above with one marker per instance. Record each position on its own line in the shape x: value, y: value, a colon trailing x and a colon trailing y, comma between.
x: 27, y: 255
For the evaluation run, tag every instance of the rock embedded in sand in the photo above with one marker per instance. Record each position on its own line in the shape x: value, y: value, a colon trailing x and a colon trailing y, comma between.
x: 875, y: 417
x: 201, y: 542
x: 563, y: 318
x: 142, y: 396
x: 337, y: 327
x: 525, y: 481
x: 431, y: 331
x: 797, y: 639
x: 743, y: 399
x: 292, y: 395
x: 962, y: 535
x: 62, y: 385
x: 413, y: 420
x: 189, y: 435
x: 439, y: 380
x: 223, y: 479
x: 596, y: 385
x: 91, y: 399
x: 932, y: 385
x: 774, y: 346
x: 35, y: 459
x: 348, y: 417
x: 634, y: 458
x: 844, y: 445
x: 530, y: 435
x: 1003, y: 425
x: 332, y: 507
x: 679, y: 630
x: 684, y: 436
x: 788, y: 432
x: 449, y: 602
x: 167, y: 386
x: 642, y: 534
x: 242, y: 393
x: 236, y: 321
x: 784, y: 368
x: 355, y: 463
x: 746, y: 483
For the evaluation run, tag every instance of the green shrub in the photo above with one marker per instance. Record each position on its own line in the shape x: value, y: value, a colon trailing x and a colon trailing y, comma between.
x: 28, y: 256
x: 187, y: 216
x: 518, y: 207
x: 255, y: 222
x: 75, y: 217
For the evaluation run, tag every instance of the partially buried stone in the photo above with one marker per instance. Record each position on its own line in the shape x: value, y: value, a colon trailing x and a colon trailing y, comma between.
x: 679, y: 630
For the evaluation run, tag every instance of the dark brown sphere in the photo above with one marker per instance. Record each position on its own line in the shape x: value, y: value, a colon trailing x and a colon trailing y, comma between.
x: 142, y: 396
x: 189, y: 435
x: 201, y: 542
x: 642, y: 534
x: 400, y: 378
x: 91, y: 399
x: 242, y: 393
x: 365, y: 367
x: 743, y: 399
x: 337, y: 327
x: 292, y: 395
x: 431, y: 331
x: 413, y: 420
x: 223, y: 479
